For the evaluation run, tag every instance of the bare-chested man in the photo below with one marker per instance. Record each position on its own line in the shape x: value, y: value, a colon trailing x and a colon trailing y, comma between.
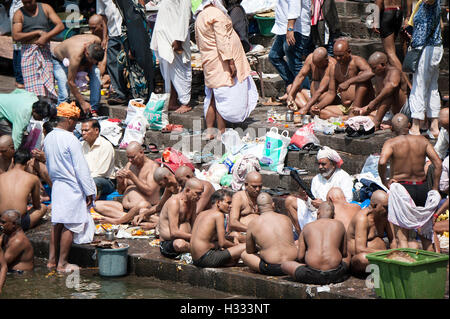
x: 407, y: 154
x: 390, y: 89
x: 17, y: 249
x: 135, y: 181
x: 182, y: 174
x: 352, y: 79
x: 317, y: 65
x: 16, y: 185
x: 97, y: 26
x: 343, y: 210
x: 366, y: 231
x: 322, y: 247
x: 177, y: 218
x: 244, y: 209
x: 6, y: 153
x: 270, y: 240
x: 83, y: 52
x: 209, y: 245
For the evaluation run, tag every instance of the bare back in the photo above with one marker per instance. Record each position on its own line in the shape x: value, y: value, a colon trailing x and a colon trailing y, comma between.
x: 19, y: 252
x: 324, y: 240
x: 344, y: 212
x: 175, y: 214
x: 204, y: 232
x: 272, y: 232
x: 15, y: 188
x: 243, y: 209
x: 73, y: 48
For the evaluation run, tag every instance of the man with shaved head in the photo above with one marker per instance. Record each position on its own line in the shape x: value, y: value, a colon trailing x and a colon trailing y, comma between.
x: 96, y: 26
x: 317, y: 66
x: 407, y: 154
x: 135, y: 182
x: 343, y: 210
x: 351, y: 77
x: 177, y: 218
x: 6, y: 153
x: 322, y: 249
x: 366, y: 231
x: 182, y: 174
x: 244, y: 209
x: 269, y: 240
x: 390, y: 89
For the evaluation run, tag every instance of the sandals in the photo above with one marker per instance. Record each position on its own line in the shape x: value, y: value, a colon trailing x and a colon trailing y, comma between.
x: 153, y: 148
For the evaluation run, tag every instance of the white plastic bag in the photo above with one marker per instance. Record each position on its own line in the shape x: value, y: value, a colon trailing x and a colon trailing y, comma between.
x: 135, y: 107
x: 216, y: 172
x: 135, y: 131
x: 275, y: 150
x: 232, y: 141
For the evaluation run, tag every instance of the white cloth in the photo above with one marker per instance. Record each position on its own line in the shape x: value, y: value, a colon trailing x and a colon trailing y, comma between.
x: 441, y: 146
x: 443, y: 182
x: 292, y: 9
x: 331, y: 154
x: 340, y: 178
x: 113, y: 16
x: 111, y: 131
x: 306, y: 213
x: 172, y: 23
x: 403, y: 212
x: 35, y: 133
x: 234, y: 103
x: 99, y: 157
x: 72, y: 182
x: 424, y: 97
x: 178, y: 73
x: 217, y: 3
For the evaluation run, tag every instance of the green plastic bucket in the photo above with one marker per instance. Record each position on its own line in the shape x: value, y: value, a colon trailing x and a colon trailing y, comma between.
x: 265, y: 25
x: 113, y: 262
x: 423, y: 279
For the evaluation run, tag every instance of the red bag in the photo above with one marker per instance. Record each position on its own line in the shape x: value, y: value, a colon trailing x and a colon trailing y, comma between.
x: 304, y: 135
x: 172, y: 159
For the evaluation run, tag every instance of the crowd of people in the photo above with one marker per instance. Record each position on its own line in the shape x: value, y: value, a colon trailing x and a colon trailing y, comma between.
x: 322, y: 238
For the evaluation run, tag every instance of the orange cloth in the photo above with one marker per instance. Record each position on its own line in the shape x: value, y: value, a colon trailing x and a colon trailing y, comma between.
x: 68, y: 110
x: 217, y: 42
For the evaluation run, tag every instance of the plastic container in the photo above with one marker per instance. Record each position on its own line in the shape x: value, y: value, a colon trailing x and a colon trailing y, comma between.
x: 423, y: 279
x: 265, y: 25
x: 113, y: 262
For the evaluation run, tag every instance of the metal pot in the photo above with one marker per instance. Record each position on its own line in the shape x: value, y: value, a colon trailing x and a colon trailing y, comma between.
x: 109, y: 235
x: 289, y: 116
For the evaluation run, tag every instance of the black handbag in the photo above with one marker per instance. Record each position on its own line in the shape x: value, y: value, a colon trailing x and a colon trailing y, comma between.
x: 413, y: 55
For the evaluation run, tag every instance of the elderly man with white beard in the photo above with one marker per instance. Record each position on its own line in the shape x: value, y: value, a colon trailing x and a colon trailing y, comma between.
x: 301, y: 208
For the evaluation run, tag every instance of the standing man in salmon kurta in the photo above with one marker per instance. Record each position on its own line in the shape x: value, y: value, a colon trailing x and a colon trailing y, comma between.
x: 171, y: 43
x: 73, y: 189
x: 230, y: 91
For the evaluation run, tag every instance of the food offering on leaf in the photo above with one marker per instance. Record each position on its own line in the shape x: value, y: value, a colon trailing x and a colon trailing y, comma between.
x: 137, y: 104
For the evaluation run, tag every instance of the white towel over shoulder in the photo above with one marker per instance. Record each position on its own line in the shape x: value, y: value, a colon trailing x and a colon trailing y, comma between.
x: 403, y: 212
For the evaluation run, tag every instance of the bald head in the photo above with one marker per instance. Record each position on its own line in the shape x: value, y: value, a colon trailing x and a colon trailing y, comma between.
x: 194, y: 183
x: 134, y: 147
x: 341, y: 45
x: 184, y: 171
x: 379, y: 197
x: 443, y: 118
x: 335, y: 194
x: 400, y: 124
x: 95, y: 19
x: 264, y: 202
x: 6, y: 141
x: 253, y: 177
x: 160, y: 173
x: 320, y: 55
x: 325, y: 210
x: 377, y: 58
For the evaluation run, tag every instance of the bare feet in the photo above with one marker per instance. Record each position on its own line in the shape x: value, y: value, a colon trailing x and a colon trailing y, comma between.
x: 284, y: 97
x: 385, y: 126
x: 51, y: 265
x: 183, y: 109
x: 20, y: 86
x: 108, y: 220
x: 67, y: 268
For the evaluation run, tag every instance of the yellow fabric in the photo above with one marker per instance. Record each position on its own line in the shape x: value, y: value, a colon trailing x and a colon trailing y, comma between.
x: 414, y: 11
x: 345, y: 110
x: 68, y: 110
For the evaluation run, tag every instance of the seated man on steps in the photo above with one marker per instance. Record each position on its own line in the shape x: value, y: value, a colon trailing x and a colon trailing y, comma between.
x: 271, y: 235
x: 322, y: 250
x: 343, y: 210
x: 135, y: 182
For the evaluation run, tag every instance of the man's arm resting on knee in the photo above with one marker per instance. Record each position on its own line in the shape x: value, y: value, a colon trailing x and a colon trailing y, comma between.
x: 388, y: 89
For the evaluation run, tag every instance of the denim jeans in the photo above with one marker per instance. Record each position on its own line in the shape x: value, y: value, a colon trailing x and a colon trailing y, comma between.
x: 104, y: 185
x: 17, y: 56
x: 295, y: 55
x: 95, y: 84
x: 114, y: 68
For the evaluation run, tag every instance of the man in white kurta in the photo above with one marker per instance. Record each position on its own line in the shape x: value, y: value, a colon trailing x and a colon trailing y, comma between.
x: 171, y: 44
x: 73, y: 189
x: 304, y: 210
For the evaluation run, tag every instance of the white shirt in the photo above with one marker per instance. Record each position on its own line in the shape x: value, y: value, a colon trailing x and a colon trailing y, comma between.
x: 443, y: 183
x: 99, y: 157
x: 293, y: 9
x: 441, y: 146
x: 340, y: 178
x: 70, y: 176
x: 114, y: 23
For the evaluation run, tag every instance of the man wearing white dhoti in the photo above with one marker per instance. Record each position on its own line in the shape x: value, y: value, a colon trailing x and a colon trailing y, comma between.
x: 73, y: 189
x: 171, y: 44
x: 302, y: 210
x: 231, y: 93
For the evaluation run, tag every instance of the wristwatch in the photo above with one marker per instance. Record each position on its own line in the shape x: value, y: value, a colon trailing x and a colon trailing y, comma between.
x: 290, y: 29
